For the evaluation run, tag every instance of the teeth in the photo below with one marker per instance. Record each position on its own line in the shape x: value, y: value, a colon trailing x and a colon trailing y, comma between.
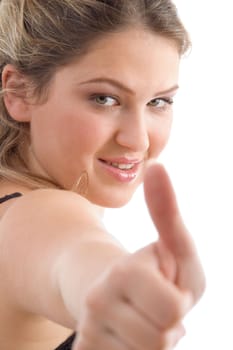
x: 122, y: 166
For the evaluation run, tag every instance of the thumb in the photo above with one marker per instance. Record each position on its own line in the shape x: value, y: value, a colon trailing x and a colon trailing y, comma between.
x: 164, y: 211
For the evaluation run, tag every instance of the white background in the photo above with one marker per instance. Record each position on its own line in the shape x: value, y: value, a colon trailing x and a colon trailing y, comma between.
x: 199, y: 159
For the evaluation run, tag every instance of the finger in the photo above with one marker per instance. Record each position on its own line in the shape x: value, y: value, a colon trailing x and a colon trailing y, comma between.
x: 165, y: 214
x: 174, y: 335
x: 106, y: 341
x: 163, y: 208
x: 94, y: 335
x: 133, y: 328
x: 137, y: 332
x: 148, y: 292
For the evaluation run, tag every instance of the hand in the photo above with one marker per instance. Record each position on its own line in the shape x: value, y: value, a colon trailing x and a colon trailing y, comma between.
x: 176, y: 251
x: 140, y: 301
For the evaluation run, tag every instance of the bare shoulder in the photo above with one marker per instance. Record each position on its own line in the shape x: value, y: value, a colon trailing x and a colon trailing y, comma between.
x: 50, y: 201
x: 49, y: 210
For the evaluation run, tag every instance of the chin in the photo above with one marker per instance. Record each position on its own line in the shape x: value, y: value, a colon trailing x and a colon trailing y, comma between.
x: 113, y: 200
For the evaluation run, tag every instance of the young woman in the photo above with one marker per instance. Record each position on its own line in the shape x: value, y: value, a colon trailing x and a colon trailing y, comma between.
x: 86, y: 104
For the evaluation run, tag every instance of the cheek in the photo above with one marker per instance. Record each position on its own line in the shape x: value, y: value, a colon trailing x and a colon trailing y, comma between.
x: 159, y: 137
x: 83, y: 134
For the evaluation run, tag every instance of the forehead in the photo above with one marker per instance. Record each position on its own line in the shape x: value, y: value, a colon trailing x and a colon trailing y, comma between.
x: 134, y: 56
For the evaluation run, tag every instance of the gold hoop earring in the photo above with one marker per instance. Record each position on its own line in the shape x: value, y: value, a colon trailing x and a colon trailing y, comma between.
x: 81, y: 185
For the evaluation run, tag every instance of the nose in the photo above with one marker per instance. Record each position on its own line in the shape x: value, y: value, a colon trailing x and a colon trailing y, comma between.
x: 133, y: 132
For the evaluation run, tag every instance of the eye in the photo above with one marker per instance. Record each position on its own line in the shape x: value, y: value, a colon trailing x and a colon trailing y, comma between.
x: 161, y: 103
x: 105, y: 100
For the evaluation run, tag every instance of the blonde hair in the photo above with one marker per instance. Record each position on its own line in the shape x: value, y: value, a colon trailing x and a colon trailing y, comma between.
x: 38, y: 37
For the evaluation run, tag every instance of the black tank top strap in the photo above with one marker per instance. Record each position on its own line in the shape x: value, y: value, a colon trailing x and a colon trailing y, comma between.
x: 67, y: 345
x: 10, y: 196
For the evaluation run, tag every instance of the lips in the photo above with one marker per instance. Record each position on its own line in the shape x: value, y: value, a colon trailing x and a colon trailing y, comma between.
x: 121, y: 169
x: 121, y: 163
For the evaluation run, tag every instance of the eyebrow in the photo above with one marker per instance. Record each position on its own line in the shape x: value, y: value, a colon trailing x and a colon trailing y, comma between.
x: 121, y: 86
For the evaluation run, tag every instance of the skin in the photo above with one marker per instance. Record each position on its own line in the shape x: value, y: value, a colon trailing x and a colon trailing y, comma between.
x: 125, y: 125
x: 52, y: 276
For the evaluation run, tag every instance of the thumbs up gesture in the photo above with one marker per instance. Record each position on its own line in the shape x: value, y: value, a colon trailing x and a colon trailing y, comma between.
x: 140, y: 301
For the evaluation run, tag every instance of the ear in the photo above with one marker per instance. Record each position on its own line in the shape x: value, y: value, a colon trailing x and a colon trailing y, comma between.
x: 15, y: 86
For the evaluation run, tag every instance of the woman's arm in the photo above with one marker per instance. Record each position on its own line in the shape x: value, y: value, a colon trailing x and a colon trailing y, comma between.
x: 58, y: 261
x: 53, y: 246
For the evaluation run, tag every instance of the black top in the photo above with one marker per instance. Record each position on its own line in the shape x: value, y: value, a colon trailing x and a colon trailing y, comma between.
x: 68, y: 342
x: 9, y: 196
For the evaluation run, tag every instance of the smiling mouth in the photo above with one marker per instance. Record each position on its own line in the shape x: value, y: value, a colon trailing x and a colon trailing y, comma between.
x: 121, y: 166
x: 123, y: 170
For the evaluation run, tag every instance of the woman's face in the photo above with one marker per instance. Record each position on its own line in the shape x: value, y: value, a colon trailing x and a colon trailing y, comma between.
x: 107, y: 114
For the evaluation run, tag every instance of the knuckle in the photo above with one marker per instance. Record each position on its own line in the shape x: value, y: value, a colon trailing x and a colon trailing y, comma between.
x: 202, y: 286
x: 177, y: 310
x: 120, y: 275
x: 117, y: 275
x: 95, y: 300
x: 163, y: 341
x: 169, y: 339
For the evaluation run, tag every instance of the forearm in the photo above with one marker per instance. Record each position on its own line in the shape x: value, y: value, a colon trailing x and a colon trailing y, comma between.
x: 77, y: 270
